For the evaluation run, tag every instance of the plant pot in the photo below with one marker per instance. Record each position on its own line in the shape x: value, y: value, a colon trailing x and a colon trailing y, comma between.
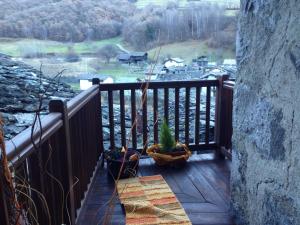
x: 130, y: 167
x: 174, y: 158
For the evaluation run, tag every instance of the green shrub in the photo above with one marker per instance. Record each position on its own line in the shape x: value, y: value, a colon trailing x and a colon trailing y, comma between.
x: 167, y: 141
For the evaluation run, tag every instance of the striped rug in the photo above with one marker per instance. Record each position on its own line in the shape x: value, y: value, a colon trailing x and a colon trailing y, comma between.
x: 149, y: 200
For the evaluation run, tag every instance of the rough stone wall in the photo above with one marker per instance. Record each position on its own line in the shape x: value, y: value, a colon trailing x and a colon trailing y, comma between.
x: 265, y: 179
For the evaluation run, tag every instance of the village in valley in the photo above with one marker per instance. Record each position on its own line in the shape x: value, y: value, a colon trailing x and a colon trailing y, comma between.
x: 167, y: 69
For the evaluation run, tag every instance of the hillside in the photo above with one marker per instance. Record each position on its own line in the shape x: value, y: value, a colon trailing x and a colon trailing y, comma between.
x: 63, y: 20
x: 189, y: 50
x: 24, y: 47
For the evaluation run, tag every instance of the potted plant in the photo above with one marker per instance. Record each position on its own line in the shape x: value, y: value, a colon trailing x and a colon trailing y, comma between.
x: 124, y: 160
x: 168, y: 152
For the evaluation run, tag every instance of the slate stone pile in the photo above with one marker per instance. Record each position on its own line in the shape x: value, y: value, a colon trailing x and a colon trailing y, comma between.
x: 20, y: 89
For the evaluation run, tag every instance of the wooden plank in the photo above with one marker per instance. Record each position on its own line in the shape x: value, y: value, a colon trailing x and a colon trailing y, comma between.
x: 166, y: 105
x: 203, y: 207
x: 207, y: 118
x: 189, y: 184
x: 61, y: 106
x: 122, y: 119
x: 202, y: 146
x: 155, y: 115
x: 101, y: 124
x: 187, y: 116
x: 215, y: 179
x: 158, y: 85
x: 225, y: 114
x: 197, y: 116
x: 80, y: 100
x: 211, y: 219
x: 177, y: 114
x: 21, y: 145
x: 38, y: 182
x: 220, y: 111
x: 111, y: 119
x: 205, y: 187
x: 145, y: 120
x: 133, y: 118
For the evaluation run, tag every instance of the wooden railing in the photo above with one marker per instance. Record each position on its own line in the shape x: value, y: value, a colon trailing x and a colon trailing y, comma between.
x: 226, y: 118
x: 57, y: 160
x: 196, y: 123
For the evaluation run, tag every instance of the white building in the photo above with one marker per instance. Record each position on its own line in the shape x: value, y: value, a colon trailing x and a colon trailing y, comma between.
x: 229, y: 62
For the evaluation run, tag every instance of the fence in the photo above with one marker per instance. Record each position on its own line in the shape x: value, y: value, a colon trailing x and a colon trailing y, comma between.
x: 54, y: 162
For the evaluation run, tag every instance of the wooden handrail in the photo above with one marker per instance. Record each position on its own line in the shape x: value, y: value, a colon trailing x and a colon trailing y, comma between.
x: 78, y: 102
x: 158, y: 85
x: 21, y: 145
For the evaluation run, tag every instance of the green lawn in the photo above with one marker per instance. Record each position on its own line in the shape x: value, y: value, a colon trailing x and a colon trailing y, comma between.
x: 189, y: 50
x: 120, y: 73
x: 18, y: 47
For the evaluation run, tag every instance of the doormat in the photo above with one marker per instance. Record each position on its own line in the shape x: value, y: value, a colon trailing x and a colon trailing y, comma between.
x: 149, y: 200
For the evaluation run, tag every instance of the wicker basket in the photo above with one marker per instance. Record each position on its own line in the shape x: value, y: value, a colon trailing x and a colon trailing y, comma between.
x: 173, y: 158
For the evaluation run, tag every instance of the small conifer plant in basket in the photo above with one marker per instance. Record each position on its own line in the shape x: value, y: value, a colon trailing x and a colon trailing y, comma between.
x: 168, y: 152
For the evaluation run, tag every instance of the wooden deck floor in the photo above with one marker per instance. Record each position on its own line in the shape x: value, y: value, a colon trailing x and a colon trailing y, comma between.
x: 202, y: 187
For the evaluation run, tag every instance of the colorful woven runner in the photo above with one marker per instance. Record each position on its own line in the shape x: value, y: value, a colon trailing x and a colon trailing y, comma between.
x: 149, y: 200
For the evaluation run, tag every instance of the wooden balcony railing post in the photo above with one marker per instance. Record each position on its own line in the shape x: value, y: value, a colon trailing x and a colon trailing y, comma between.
x: 145, y: 117
x: 96, y: 81
x: 61, y: 107
x: 219, y: 119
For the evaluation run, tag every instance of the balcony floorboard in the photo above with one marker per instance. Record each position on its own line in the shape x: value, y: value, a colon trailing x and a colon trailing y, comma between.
x: 202, y: 187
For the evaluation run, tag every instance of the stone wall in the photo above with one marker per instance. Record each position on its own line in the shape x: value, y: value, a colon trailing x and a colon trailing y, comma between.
x: 265, y: 180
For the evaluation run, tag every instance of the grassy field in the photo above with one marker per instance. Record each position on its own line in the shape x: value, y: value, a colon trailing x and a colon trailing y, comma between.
x: 189, y: 50
x: 119, y: 72
x: 19, y: 47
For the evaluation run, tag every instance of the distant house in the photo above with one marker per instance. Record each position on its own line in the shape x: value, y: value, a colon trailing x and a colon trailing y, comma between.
x: 173, y: 62
x: 85, y: 80
x: 201, y: 61
x: 132, y: 57
x: 229, y: 62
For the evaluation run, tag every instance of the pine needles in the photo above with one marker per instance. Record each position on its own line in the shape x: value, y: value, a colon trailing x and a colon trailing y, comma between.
x: 167, y: 141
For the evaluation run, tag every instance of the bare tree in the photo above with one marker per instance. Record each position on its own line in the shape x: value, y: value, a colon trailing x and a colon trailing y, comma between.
x: 107, y: 52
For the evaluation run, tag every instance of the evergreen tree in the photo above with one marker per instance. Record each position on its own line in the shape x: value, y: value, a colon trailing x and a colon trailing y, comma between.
x: 167, y: 141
